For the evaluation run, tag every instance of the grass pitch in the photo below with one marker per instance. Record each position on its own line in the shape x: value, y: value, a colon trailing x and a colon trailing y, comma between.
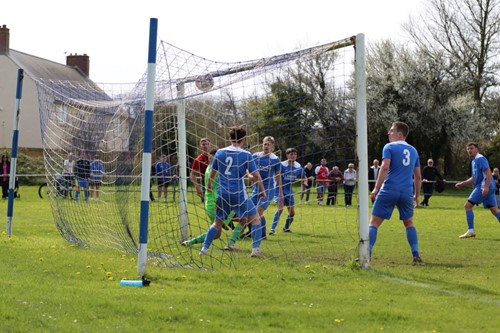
x: 49, y: 285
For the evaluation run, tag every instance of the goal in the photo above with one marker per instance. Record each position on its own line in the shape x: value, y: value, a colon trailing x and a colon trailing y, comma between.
x: 311, y: 99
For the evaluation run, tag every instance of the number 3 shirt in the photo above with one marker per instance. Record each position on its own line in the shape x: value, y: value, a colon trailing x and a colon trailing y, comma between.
x: 404, y: 159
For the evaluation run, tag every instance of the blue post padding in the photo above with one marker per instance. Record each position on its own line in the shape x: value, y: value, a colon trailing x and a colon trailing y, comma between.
x: 148, y: 131
x: 153, y: 33
x: 143, y: 227
x: 20, y: 77
x: 10, y: 204
x: 15, y: 139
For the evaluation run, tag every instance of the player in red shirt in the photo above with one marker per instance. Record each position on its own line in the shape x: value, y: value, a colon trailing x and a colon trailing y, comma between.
x: 199, y: 167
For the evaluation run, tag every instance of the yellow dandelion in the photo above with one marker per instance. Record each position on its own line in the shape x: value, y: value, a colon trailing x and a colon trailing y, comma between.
x: 307, y: 266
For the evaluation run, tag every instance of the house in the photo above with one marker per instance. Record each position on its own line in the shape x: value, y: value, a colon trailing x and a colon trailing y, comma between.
x: 35, y: 68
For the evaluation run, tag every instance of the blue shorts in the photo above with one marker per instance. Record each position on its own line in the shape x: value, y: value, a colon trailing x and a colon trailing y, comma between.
x: 321, y: 188
x: 387, y: 198
x: 476, y: 197
x: 243, y: 207
x: 82, y: 182
x: 263, y: 203
x: 288, y: 200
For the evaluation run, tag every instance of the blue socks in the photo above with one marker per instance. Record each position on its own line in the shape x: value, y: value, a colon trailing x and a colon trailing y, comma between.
x: 372, y: 232
x: 411, y: 235
x: 256, y: 236
x: 276, y: 219
x: 469, y: 214
x: 263, y: 225
x: 209, y: 238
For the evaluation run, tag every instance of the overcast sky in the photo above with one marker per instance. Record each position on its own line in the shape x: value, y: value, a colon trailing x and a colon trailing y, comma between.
x: 114, y: 33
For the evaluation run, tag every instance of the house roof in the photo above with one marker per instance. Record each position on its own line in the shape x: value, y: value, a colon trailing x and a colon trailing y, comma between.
x: 39, y: 68
x: 66, y: 80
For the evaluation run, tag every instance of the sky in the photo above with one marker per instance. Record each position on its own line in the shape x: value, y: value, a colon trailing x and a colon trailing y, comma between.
x: 114, y: 33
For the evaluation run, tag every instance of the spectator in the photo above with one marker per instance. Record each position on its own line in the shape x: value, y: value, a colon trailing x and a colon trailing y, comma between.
x: 484, y: 188
x: 496, y: 178
x: 306, y: 187
x: 321, y: 173
x: 82, y: 171
x: 350, y: 178
x: 373, y: 174
x: 199, y: 167
x: 96, y: 173
x: 163, y: 176
x: 335, y: 176
x: 429, y: 175
x: 5, y: 171
x: 68, y: 174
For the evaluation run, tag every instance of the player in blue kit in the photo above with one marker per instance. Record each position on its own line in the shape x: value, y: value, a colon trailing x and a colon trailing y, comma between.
x: 269, y: 166
x: 290, y: 171
x: 399, y: 177
x: 232, y: 164
x: 484, y: 188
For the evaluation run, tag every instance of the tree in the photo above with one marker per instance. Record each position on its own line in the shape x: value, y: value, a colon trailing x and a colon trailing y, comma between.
x: 467, y: 31
x: 408, y: 85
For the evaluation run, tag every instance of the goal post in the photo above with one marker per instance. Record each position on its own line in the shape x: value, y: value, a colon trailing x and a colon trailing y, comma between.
x: 362, y: 148
x: 148, y: 148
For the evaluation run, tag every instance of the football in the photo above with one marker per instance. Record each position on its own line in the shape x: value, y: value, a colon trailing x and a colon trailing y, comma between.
x: 204, y: 82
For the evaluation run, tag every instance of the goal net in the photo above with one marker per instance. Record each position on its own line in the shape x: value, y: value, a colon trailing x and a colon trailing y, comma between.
x: 306, y: 99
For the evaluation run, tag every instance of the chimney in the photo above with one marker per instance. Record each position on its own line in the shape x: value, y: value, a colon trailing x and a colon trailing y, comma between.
x: 4, y: 39
x: 81, y: 62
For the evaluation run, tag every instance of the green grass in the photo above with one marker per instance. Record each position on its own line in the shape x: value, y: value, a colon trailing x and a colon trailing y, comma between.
x: 49, y: 285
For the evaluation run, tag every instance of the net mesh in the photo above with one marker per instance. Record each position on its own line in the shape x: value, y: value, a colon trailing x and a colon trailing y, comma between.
x: 304, y: 99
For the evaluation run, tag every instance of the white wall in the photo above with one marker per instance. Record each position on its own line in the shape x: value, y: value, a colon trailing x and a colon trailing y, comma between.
x: 29, y: 118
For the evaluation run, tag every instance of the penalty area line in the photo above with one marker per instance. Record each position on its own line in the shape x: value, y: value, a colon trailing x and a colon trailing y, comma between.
x: 441, y: 290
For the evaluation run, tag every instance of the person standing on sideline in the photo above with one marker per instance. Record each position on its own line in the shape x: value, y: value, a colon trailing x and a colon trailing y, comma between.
x: 82, y: 170
x: 68, y: 174
x: 290, y: 170
x: 232, y: 164
x: 269, y: 166
x: 373, y: 174
x: 163, y: 176
x: 496, y: 178
x: 199, y: 167
x: 429, y: 175
x: 399, y: 177
x: 5, y: 171
x: 306, y: 188
x: 350, y: 178
x: 321, y: 172
x: 335, y: 176
x: 96, y: 173
x: 484, y: 188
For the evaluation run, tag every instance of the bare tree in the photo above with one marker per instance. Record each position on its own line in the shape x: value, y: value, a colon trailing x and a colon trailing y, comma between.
x: 468, y: 31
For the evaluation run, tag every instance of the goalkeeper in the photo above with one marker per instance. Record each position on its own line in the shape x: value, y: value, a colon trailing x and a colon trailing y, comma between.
x: 210, y: 207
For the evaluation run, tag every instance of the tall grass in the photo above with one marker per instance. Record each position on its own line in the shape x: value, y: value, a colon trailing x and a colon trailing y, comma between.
x: 48, y: 285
